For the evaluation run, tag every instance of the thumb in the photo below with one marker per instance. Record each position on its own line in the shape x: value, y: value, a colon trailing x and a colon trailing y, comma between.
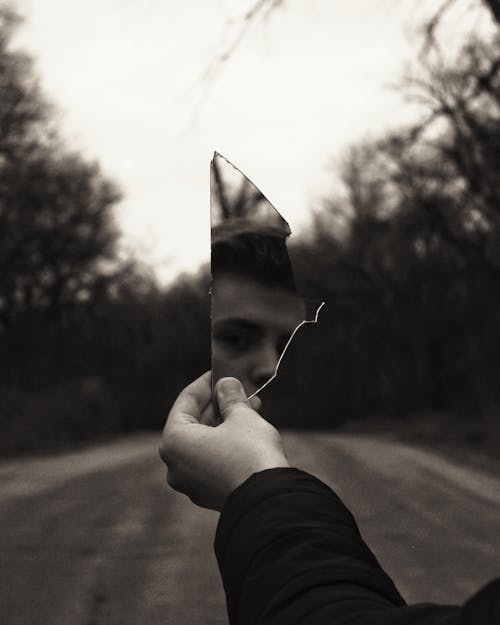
x: 230, y: 394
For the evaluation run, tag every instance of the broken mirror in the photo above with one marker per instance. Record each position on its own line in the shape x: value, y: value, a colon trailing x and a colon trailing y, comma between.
x: 256, y: 308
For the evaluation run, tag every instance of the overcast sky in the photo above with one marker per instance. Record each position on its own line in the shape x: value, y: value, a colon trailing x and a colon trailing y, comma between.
x: 128, y: 79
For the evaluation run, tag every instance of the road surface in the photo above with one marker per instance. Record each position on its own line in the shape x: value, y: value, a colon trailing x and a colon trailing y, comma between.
x: 95, y: 537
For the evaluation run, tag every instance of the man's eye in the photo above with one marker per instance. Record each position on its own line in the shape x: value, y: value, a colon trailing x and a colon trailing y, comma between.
x: 236, y: 342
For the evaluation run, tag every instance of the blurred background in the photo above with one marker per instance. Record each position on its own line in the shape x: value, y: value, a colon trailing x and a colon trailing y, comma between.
x: 374, y: 128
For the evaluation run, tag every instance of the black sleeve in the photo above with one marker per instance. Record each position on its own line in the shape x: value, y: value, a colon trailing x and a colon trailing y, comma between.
x: 290, y: 553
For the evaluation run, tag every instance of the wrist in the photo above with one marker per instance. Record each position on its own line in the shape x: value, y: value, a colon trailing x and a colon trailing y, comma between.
x: 278, y: 461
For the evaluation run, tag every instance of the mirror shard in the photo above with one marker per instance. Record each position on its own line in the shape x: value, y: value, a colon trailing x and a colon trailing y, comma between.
x: 256, y: 308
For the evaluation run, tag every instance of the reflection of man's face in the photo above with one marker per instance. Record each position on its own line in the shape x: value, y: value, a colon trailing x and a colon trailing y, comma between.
x: 251, y: 324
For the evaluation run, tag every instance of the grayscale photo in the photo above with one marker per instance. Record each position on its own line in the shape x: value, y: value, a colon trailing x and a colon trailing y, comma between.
x: 250, y: 312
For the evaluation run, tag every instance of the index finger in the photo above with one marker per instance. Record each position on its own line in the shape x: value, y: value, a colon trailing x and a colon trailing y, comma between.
x: 192, y: 401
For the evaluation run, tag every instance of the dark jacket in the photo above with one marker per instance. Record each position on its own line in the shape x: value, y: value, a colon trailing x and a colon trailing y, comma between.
x: 290, y: 553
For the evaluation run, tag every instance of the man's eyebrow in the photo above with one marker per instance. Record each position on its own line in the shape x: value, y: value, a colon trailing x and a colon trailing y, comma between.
x: 238, y: 323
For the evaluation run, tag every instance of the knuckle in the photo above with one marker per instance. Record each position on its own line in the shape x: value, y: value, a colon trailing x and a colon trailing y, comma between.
x: 270, y: 431
x: 171, y: 479
x: 169, y: 445
x: 174, y: 481
x: 163, y: 451
x: 166, y: 451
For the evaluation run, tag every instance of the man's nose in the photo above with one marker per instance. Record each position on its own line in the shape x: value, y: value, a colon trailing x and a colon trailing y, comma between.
x: 265, y: 365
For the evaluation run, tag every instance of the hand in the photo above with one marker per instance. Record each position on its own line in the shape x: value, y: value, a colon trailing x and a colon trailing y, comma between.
x: 207, y: 463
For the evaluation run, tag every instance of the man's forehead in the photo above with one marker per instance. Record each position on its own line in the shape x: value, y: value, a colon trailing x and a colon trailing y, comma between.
x: 239, y: 298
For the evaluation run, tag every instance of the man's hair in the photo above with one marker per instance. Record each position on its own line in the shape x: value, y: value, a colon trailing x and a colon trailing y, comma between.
x: 258, y: 257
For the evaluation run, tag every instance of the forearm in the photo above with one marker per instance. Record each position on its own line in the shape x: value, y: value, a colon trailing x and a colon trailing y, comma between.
x: 290, y: 552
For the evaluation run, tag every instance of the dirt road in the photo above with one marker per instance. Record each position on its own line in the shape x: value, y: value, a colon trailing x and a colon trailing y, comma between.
x: 96, y: 538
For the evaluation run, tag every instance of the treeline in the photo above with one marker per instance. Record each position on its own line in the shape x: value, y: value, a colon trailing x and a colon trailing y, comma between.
x: 408, y: 262
x: 413, y: 278
x: 89, y: 343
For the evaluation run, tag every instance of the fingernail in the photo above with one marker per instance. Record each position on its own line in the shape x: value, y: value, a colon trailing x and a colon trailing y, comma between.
x: 229, y: 388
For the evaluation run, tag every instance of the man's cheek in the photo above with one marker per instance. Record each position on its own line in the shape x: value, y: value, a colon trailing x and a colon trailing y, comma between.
x: 224, y: 364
